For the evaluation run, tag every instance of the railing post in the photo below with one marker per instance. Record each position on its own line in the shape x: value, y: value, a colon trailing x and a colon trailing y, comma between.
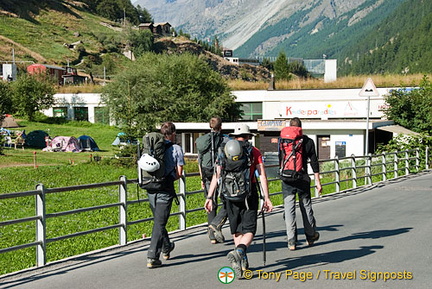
x: 384, y: 167
x: 182, y: 202
x: 40, y: 226
x: 354, y: 171
x: 417, y: 159
x: 427, y: 158
x: 369, y: 168
x: 396, y: 165
x: 406, y: 163
x: 337, y: 174
x: 123, y: 211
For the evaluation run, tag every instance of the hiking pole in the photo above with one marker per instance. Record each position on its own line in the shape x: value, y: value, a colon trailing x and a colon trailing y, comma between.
x: 262, y: 216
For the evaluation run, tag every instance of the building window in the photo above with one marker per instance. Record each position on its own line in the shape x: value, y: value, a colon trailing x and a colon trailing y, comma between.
x: 81, y: 113
x: 251, y: 110
x: 188, y: 142
x: 101, y: 115
x: 60, y: 112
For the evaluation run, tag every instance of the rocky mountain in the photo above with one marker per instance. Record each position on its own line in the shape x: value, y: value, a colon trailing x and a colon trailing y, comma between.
x: 263, y: 28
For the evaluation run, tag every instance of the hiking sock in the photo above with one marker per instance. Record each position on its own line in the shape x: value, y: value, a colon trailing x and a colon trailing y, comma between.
x: 242, y: 247
x: 244, y: 263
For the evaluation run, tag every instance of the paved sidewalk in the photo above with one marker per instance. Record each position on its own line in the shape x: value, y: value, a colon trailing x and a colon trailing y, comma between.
x: 367, y: 235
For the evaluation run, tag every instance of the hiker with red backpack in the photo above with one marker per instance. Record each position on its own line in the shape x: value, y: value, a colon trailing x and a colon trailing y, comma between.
x: 295, y: 149
x: 235, y: 170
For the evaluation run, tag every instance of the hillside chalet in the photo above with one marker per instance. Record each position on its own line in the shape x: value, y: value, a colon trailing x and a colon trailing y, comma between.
x: 63, y: 75
x: 158, y: 29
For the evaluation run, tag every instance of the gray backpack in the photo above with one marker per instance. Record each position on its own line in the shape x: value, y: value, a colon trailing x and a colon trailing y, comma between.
x: 235, y: 174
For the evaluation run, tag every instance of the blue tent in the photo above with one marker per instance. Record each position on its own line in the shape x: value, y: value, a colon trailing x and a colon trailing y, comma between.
x: 88, y: 143
x: 36, y: 139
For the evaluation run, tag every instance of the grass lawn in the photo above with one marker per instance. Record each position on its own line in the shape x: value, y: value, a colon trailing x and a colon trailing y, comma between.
x: 103, y: 135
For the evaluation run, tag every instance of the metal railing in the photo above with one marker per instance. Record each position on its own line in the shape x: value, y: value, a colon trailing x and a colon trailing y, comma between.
x: 335, y: 172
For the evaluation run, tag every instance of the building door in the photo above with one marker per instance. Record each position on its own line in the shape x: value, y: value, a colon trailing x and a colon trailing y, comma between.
x: 323, y: 147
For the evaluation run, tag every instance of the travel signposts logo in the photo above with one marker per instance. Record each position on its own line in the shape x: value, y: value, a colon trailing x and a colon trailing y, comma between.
x: 226, y: 275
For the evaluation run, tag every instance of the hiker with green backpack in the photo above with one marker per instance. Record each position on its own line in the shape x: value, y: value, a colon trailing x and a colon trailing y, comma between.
x: 207, y: 146
x: 160, y: 165
x: 236, y: 165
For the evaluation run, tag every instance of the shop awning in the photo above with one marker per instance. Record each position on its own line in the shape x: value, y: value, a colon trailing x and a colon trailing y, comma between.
x: 397, y: 129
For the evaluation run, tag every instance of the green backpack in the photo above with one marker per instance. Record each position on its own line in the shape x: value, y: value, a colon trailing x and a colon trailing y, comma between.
x: 207, y: 146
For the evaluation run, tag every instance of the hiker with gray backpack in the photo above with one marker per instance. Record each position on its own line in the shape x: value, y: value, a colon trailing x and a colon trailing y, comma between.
x: 235, y: 170
x: 207, y: 146
x: 160, y: 165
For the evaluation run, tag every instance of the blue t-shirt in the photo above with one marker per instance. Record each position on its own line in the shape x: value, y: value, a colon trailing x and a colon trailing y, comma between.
x: 173, y: 157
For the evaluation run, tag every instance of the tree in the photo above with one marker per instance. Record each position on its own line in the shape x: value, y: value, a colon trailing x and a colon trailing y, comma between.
x: 141, y: 41
x: 299, y: 69
x: 267, y: 64
x: 157, y: 88
x: 5, y: 99
x: 281, y: 68
x: 143, y: 15
x: 412, y: 109
x: 32, y: 94
x: 5, y: 105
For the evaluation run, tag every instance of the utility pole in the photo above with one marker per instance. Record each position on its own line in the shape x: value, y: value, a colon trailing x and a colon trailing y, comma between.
x: 124, y: 17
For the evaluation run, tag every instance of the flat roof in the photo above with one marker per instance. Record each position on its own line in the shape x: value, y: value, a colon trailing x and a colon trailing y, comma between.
x: 307, y: 124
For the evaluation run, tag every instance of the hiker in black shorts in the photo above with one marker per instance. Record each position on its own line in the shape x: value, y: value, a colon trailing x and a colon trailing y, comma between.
x: 242, y: 215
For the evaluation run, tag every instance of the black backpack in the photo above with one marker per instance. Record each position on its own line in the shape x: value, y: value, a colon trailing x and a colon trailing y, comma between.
x: 207, y: 146
x: 155, y: 146
x: 235, y: 176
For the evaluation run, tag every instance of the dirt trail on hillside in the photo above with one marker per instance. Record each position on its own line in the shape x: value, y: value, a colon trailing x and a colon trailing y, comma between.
x: 33, y: 54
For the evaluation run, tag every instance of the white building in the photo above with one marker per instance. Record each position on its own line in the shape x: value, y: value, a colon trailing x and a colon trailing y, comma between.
x: 336, y: 119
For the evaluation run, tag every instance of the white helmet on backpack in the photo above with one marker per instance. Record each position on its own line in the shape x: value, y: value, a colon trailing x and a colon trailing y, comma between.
x: 148, y: 163
x: 233, y: 150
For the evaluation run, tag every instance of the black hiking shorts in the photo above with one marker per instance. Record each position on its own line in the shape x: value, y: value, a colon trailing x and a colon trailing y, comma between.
x: 243, y: 217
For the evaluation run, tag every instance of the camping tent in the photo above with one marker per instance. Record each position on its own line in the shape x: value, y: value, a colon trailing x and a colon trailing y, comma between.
x: 87, y: 143
x: 9, y: 122
x: 63, y: 144
x: 36, y: 139
x: 120, y: 139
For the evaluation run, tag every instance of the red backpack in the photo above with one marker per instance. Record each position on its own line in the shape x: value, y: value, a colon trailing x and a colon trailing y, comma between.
x: 290, y: 148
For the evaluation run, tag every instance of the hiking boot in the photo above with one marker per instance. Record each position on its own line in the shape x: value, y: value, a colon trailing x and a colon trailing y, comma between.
x: 313, y: 239
x: 211, y: 236
x: 153, y: 263
x: 291, y: 245
x: 217, y: 233
x: 166, y: 254
x: 244, y: 262
x: 235, y: 257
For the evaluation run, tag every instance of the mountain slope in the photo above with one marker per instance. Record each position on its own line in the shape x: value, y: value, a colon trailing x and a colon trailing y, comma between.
x: 71, y: 34
x: 265, y: 27
x: 401, y: 43
x: 60, y: 34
